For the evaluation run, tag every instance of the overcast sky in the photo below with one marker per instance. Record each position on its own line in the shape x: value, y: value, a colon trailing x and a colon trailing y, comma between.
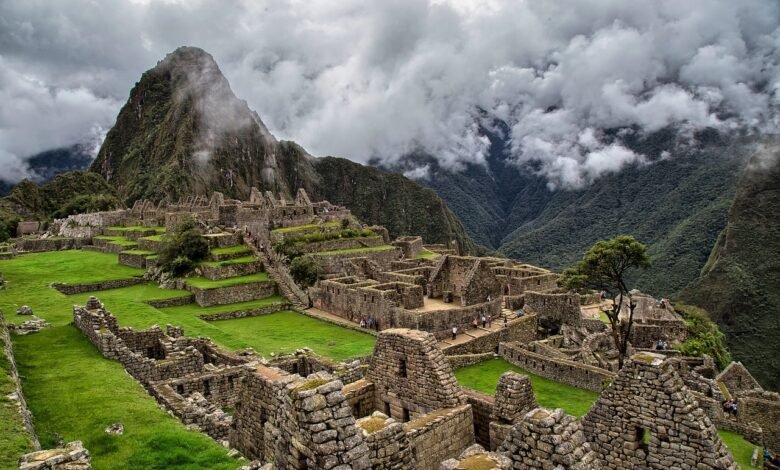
x: 374, y: 79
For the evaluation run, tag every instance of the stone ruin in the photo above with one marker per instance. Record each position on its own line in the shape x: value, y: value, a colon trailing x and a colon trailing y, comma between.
x: 647, y: 418
x: 73, y: 456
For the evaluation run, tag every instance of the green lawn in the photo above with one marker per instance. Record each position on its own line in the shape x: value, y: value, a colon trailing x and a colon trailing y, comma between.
x: 154, y: 238
x: 741, y: 449
x: 549, y: 394
x: 139, y: 252
x: 75, y: 392
x: 243, y: 259
x: 356, y: 250
x: 203, y: 283
x: 425, y: 254
x: 195, y: 309
x: 138, y: 228
x: 305, y: 227
x: 230, y: 250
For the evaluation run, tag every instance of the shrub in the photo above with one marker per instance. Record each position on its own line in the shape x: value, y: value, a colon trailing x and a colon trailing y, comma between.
x: 180, y: 254
x: 704, y: 336
x: 305, y: 271
x: 344, y: 223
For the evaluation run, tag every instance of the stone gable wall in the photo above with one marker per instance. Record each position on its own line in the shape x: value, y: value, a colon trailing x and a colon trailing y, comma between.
x: 441, y: 435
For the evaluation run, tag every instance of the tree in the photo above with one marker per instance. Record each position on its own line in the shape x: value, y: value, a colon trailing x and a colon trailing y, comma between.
x: 181, y: 253
x: 604, y: 268
x: 305, y: 271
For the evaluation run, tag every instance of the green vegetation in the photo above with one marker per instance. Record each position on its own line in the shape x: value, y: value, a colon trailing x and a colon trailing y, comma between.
x: 704, y: 336
x: 549, y: 394
x: 87, y: 203
x: 123, y: 242
x: 741, y: 449
x: 368, y: 249
x: 139, y: 252
x: 195, y: 309
x: 155, y: 238
x: 242, y: 260
x: 231, y: 250
x: 738, y: 284
x: 76, y: 393
x: 606, y: 267
x: 137, y: 228
x: 293, y: 246
x: 299, y: 228
x: 14, y: 439
x: 305, y: 271
x: 184, y: 249
x: 425, y: 254
x: 203, y: 283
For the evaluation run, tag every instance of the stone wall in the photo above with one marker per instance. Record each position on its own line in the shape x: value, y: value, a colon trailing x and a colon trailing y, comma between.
x: 228, y: 270
x: 522, y: 330
x: 568, y: 372
x: 71, y: 289
x: 343, y: 244
x: 736, y: 378
x: 558, y: 308
x: 763, y: 409
x: 134, y: 260
x: 13, y: 372
x: 441, y: 435
x: 175, y: 302
x: 49, y: 244
x: 73, y: 456
x: 360, y: 396
x: 646, y: 335
x: 410, y: 246
x: 647, y: 419
x: 255, y: 312
x: 334, y: 263
x: 411, y: 375
x: 469, y: 279
x: 233, y: 294
x: 387, y: 442
x: 464, y: 360
x: 481, y: 408
x: 439, y: 322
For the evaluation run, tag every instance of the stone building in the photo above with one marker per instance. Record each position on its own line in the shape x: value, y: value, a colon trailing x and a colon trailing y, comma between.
x: 647, y: 418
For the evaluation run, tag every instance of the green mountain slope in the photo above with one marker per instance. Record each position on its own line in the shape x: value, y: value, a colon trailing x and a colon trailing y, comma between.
x: 740, y: 283
x: 183, y: 131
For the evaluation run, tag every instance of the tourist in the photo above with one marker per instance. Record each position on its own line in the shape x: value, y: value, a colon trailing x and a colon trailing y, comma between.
x: 658, y: 346
x: 490, y: 321
x: 520, y: 313
x: 454, y: 331
x: 484, y: 321
x: 665, y: 345
x: 506, y: 322
x: 474, y: 323
x: 362, y: 322
x: 371, y: 323
x: 663, y: 303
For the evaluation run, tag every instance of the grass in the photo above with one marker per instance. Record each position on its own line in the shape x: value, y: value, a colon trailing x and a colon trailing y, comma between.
x: 549, y: 394
x: 741, y: 449
x: 426, y: 254
x: 139, y: 252
x: 195, y: 309
x: 243, y: 259
x: 75, y: 392
x: 230, y: 250
x: 138, y: 228
x: 14, y: 439
x: 305, y: 227
x: 203, y: 283
x: 154, y: 238
x: 355, y: 250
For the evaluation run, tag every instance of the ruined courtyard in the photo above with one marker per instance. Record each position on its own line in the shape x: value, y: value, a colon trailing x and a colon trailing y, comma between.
x: 244, y: 367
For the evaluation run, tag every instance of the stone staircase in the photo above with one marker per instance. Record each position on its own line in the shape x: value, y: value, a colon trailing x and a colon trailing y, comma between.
x: 279, y: 274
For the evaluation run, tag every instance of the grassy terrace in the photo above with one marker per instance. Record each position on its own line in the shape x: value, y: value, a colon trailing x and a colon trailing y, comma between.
x: 425, y: 254
x: 14, y: 439
x: 243, y: 259
x: 305, y: 227
x: 154, y: 238
x: 195, y: 309
x: 230, y: 250
x: 549, y: 394
x: 137, y: 228
x: 741, y: 449
x: 203, y: 283
x: 139, y: 252
x: 75, y: 392
x: 356, y: 250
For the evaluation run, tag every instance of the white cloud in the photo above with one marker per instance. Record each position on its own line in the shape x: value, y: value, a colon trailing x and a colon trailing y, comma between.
x: 369, y: 80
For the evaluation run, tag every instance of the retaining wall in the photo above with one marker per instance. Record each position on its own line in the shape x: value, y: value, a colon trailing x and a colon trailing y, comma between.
x: 440, y: 435
x: 233, y: 294
x: 70, y: 289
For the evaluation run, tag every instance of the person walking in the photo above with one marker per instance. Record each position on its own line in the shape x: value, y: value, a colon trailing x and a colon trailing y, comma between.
x: 484, y: 321
x: 474, y: 323
x: 454, y: 332
x: 506, y: 322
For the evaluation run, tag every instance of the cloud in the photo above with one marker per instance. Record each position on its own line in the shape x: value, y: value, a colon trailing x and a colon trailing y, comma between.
x: 376, y: 80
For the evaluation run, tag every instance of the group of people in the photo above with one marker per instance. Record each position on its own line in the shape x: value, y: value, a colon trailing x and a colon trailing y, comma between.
x: 730, y: 407
x: 662, y: 345
x: 773, y: 459
x: 486, y: 320
x: 370, y: 323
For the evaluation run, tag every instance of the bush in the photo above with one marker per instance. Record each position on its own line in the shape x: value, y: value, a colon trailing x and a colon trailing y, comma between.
x: 704, y: 336
x: 87, y: 203
x: 183, y: 251
x: 305, y: 271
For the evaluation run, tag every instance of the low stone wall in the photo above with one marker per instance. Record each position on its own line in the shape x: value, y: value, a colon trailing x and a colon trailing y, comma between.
x: 522, y: 330
x: 26, y: 415
x: 256, y: 312
x: 439, y: 322
x: 387, y: 443
x: 176, y: 302
x: 217, y: 273
x: 481, y: 408
x: 463, y: 360
x: 440, y: 435
x: 343, y: 244
x: 763, y: 409
x: 333, y: 263
x: 134, y: 260
x: 233, y: 294
x: 360, y: 396
x: 568, y: 372
x: 71, y: 289
x: 223, y: 240
x: 73, y: 456
x: 646, y: 335
x: 151, y: 245
x: 50, y: 244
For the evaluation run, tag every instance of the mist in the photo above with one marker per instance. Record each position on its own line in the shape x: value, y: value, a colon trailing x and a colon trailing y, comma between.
x: 377, y: 80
